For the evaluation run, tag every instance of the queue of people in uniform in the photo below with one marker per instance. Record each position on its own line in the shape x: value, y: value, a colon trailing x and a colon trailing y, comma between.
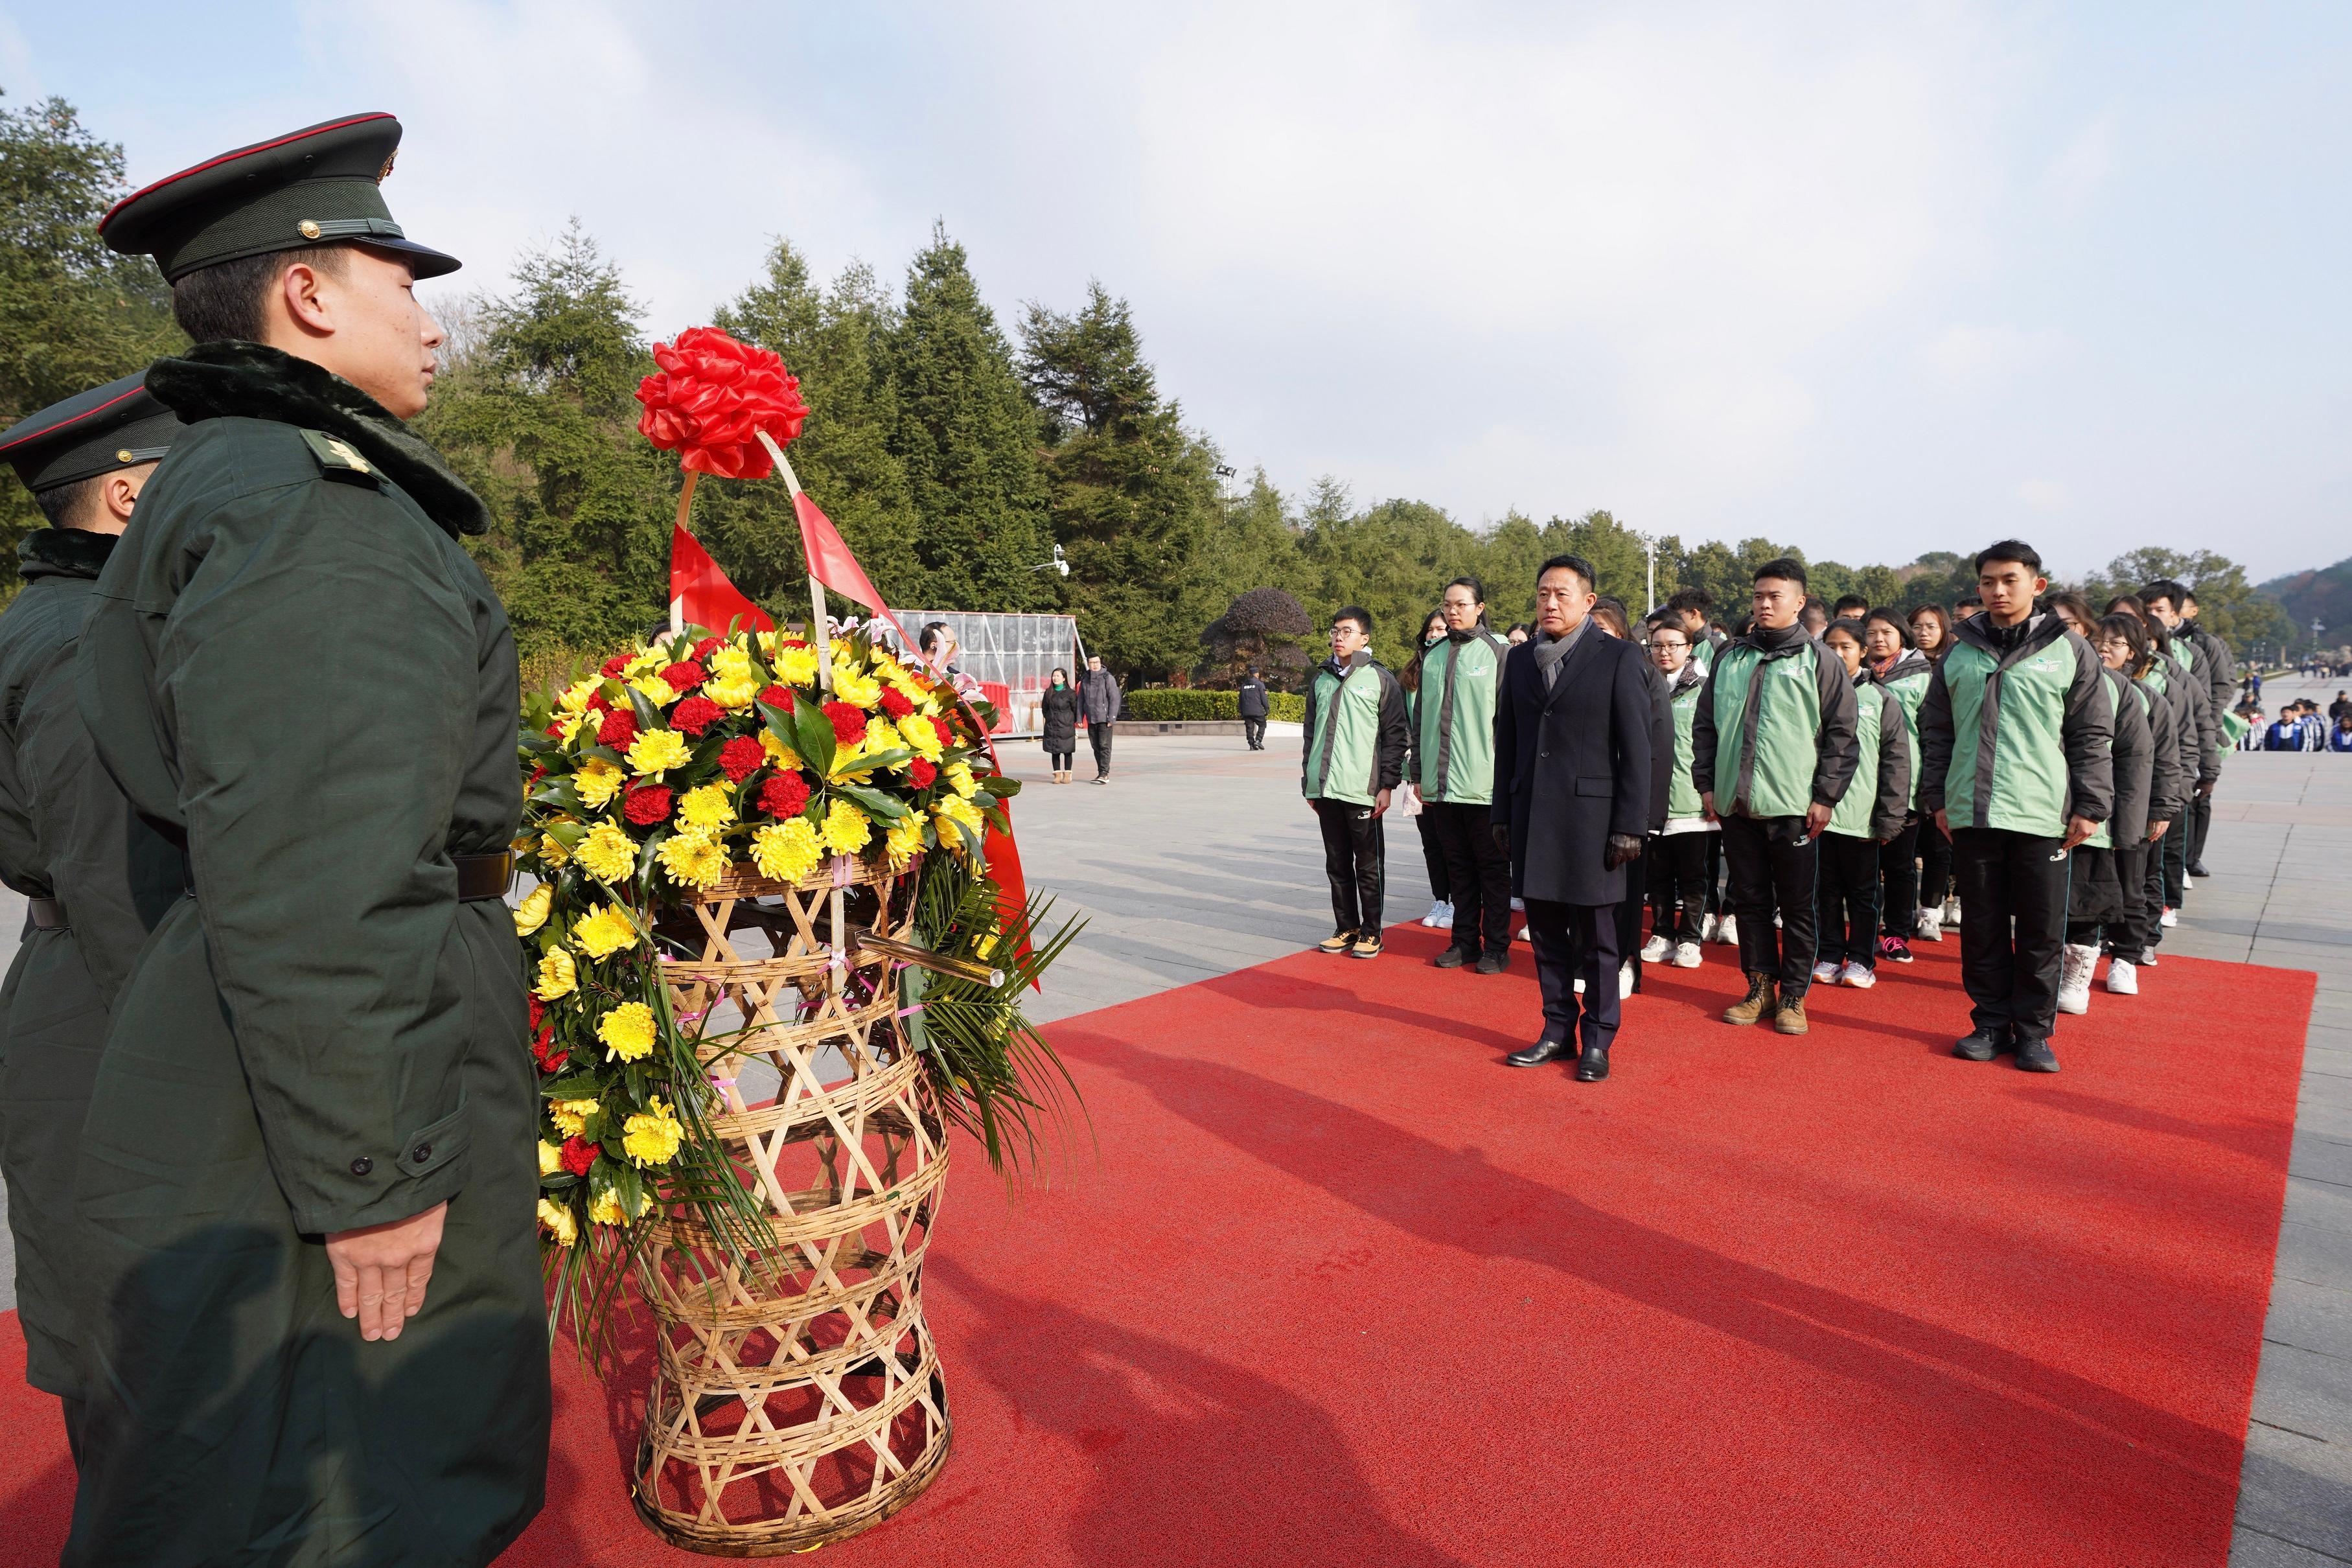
x: 1818, y: 787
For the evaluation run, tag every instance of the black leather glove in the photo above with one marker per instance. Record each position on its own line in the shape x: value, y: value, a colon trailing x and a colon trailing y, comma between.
x: 1502, y: 836
x: 1622, y: 847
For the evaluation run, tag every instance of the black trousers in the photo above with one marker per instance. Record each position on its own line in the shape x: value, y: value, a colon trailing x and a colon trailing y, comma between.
x: 2015, y: 895
x: 1849, y: 917
x: 1432, y: 857
x: 1898, y: 879
x: 1629, y: 913
x: 1678, y: 883
x: 1774, y: 871
x: 1572, y: 942
x: 1061, y: 761
x: 1935, y: 865
x: 1098, y: 737
x: 1479, y: 871
x: 2173, y: 858
x: 2151, y: 902
x: 2103, y: 897
x: 1355, y: 857
x: 1253, y: 732
x: 2200, y: 822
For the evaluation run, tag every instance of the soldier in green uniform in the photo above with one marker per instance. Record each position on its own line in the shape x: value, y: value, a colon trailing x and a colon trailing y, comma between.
x: 95, y: 876
x: 306, y: 1183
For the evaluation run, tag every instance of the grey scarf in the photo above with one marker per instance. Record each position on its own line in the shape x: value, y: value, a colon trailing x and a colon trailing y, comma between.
x: 1550, y: 650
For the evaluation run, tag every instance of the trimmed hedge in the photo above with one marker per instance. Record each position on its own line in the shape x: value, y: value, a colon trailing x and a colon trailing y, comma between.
x: 1160, y: 704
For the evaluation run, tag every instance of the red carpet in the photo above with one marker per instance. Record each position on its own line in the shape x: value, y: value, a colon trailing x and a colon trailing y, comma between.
x: 1340, y: 1288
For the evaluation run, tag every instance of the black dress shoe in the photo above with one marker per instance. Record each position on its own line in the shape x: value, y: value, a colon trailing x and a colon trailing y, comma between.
x: 1593, y: 1065
x: 1542, y: 1051
x: 2035, y: 1055
x: 1453, y: 958
x: 1980, y: 1047
x: 2197, y: 869
x: 1494, y: 964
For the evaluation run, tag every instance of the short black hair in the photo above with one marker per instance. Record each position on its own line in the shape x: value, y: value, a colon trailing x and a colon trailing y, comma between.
x: 1971, y: 598
x: 1847, y: 624
x: 1893, y: 617
x: 1358, y: 613
x: 68, y: 505
x: 928, y: 638
x: 225, y: 303
x: 1787, y: 568
x: 1810, y: 610
x: 1478, y: 589
x: 2015, y: 549
x: 1691, y: 601
x: 1576, y: 563
x: 2165, y: 588
x: 1855, y: 602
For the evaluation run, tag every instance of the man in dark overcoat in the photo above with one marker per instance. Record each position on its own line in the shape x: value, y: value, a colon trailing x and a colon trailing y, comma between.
x: 1572, y: 796
x: 95, y: 879
x: 308, y: 1176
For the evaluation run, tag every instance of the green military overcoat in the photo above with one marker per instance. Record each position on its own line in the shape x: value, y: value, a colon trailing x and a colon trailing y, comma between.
x: 294, y: 667
x: 66, y: 834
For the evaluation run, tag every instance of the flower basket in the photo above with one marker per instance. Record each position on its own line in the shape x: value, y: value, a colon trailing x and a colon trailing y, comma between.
x: 796, y: 1396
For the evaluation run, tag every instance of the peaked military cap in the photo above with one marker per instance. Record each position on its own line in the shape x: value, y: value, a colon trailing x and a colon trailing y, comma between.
x: 313, y: 187
x: 117, y: 425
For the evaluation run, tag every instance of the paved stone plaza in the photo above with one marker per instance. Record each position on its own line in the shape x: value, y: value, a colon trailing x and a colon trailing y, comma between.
x: 1200, y: 859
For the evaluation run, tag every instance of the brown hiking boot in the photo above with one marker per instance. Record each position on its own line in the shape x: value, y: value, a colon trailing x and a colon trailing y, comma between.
x: 1336, y: 943
x: 1755, y: 1005
x: 1789, y: 1019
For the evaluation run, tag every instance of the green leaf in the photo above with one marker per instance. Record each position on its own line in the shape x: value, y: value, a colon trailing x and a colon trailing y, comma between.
x: 578, y: 1086
x: 539, y: 740
x: 1000, y: 786
x: 648, y: 716
x: 813, y: 733
x: 873, y: 802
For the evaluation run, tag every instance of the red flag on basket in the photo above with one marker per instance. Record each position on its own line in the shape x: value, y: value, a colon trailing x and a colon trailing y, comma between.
x: 831, y: 563
x: 701, y: 592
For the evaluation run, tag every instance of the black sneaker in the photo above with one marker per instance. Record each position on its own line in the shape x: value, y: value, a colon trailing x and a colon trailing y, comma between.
x: 1453, y: 958
x: 2033, y: 1056
x: 1978, y: 1047
x: 1494, y: 963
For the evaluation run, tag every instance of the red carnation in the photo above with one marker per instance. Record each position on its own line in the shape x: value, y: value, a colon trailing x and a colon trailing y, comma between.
x: 895, y: 703
x: 784, y: 796
x: 794, y: 642
x: 946, y: 736
x: 710, y: 399
x: 848, y: 722
x: 600, y: 704
x: 550, y: 1056
x: 617, y: 731
x: 646, y: 804
x: 617, y: 663
x: 578, y: 1155
x: 708, y: 647
x: 921, y: 773
x: 696, y: 714
x: 776, y: 697
x: 683, y: 676
x: 740, y: 758
x: 538, y: 1011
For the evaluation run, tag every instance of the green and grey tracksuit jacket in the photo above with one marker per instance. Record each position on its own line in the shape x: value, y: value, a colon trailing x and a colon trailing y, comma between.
x: 1907, y: 679
x: 2134, y: 752
x: 1453, y: 719
x: 1682, y: 700
x: 1880, y: 796
x: 2190, y: 677
x: 1355, y: 731
x: 1774, y: 733
x: 2017, y: 731
x: 2212, y: 663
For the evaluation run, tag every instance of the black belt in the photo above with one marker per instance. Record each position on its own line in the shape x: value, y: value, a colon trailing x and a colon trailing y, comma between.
x: 484, y: 875
x: 47, y: 914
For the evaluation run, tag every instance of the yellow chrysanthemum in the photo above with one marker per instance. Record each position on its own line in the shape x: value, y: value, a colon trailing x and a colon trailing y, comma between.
x: 647, y: 660
x: 694, y: 860
x: 652, y: 1138
x: 904, y: 841
x: 551, y: 1158
x: 781, y: 755
x: 732, y: 662
x: 552, y: 851
x: 786, y: 852
x: 605, y: 1209
x: 532, y: 913
x: 577, y: 695
x: 733, y: 692
x: 796, y: 665
x: 603, y: 932
x: 656, y: 690
x: 656, y: 751
x: 923, y: 736
x: 854, y: 686
x: 597, y: 782
x: 558, y: 1222
x: 557, y: 977
x: 960, y: 780
x: 881, y: 736
x: 570, y: 727
x: 956, y: 810
x: 607, y: 853
x: 707, y: 807
x: 628, y: 1031
x: 847, y: 829
x: 571, y: 1116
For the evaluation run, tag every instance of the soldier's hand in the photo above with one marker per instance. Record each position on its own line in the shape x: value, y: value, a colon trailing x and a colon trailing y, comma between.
x: 381, y: 1270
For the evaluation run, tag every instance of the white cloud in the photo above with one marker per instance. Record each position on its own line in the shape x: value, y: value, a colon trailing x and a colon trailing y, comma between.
x: 1962, y: 352
x: 2048, y: 496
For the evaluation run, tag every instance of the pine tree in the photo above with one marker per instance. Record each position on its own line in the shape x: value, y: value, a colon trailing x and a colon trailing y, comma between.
x: 963, y: 428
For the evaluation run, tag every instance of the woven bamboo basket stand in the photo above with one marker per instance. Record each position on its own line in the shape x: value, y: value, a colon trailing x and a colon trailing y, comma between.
x: 798, y: 1401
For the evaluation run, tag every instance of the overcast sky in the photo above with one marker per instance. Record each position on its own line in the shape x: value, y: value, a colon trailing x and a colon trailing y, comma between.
x: 1871, y: 278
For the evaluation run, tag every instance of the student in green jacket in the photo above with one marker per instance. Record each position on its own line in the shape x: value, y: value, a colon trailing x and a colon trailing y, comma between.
x: 1772, y: 750
x: 1453, y: 760
x: 2016, y: 730
x: 1894, y: 664
x: 1678, y: 883
x: 1353, y: 754
x: 1870, y: 816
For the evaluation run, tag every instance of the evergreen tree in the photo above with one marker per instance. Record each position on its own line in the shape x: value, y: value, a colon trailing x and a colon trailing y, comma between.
x: 963, y: 430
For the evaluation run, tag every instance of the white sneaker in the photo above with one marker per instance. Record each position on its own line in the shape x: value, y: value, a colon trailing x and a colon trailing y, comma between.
x: 2123, y: 977
x: 1686, y: 955
x: 1445, y: 921
x: 1440, y: 908
x: 1825, y: 974
x: 1854, y: 974
x: 1706, y: 928
x: 1519, y: 906
x: 1952, y: 910
x: 1625, y: 981
x: 1524, y: 936
x: 1656, y: 950
x: 1727, y: 930
x: 2148, y: 958
x: 2074, y: 966
x: 1579, y: 985
x: 1928, y: 925
x: 2171, y: 918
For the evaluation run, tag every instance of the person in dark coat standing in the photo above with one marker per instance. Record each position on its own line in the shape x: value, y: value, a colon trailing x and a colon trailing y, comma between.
x: 96, y: 879
x: 1098, y: 700
x: 1573, y: 800
x: 1059, y: 711
x: 1250, y: 697
x: 317, y: 1102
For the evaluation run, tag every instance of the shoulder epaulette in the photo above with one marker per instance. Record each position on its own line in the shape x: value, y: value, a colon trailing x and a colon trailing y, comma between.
x: 338, y: 459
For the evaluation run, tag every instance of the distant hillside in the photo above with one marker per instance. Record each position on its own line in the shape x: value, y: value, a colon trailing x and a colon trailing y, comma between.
x: 2325, y: 592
